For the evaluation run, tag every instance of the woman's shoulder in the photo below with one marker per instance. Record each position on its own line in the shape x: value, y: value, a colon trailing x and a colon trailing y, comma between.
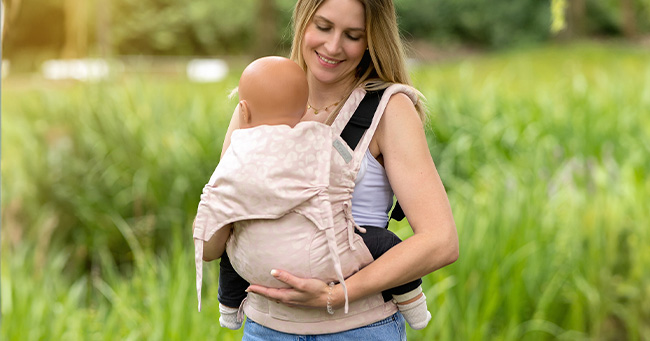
x: 402, y: 95
x: 400, y: 116
x: 390, y: 89
x: 400, y: 107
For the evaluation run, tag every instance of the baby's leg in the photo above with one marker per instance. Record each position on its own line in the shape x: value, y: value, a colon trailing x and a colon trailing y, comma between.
x: 409, y: 297
x: 232, y: 291
x: 379, y: 240
x: 413, y: 306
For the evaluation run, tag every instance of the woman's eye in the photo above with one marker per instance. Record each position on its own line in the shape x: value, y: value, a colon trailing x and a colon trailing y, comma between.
x: 322, y: 28
x: 355, y: 38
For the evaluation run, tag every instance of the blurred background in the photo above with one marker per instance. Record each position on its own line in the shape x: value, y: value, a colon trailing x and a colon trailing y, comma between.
x: 38, y: 30
x: 114, y: 113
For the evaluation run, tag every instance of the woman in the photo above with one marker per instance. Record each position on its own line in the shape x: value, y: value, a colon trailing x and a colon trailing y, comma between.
x: 343, y: 45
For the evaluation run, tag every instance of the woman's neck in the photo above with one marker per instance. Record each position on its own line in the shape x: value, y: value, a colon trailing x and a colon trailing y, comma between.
x: 321, y: 94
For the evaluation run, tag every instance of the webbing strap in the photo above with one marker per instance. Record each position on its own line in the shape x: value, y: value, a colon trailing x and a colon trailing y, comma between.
x: 361, y: 119
x: 357, y: 126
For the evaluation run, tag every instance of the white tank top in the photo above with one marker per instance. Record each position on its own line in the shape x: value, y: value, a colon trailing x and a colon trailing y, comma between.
x: 372, y: 198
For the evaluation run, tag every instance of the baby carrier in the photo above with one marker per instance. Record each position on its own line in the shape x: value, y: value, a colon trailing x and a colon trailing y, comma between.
x: 287, y: 192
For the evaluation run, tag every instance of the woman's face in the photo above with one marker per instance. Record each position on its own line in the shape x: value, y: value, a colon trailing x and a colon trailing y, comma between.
x: 334, y: 41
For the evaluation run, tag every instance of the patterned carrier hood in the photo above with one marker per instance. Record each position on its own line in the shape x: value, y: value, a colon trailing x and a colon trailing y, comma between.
x: 267, y: 172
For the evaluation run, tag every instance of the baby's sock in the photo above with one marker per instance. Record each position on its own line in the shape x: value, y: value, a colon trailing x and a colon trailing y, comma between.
x: 415, y: 313
x: 228, y: 318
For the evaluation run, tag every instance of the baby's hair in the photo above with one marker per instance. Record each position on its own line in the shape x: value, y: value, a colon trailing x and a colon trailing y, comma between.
x: 233, y: 93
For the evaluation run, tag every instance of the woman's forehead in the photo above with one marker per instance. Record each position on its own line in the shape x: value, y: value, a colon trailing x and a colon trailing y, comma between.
x: 347, y: 13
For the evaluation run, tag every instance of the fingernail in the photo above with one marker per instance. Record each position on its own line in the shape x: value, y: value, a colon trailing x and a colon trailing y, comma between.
x: 247, y: 289
x: 273, y: 273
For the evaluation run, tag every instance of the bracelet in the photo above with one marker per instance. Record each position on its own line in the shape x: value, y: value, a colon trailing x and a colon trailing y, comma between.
x: 329, y: 299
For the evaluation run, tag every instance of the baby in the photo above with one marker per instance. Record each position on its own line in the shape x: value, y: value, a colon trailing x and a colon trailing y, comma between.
x: 273, y: 91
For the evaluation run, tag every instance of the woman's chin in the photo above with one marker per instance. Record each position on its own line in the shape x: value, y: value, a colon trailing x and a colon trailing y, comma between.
x: 328, y: 78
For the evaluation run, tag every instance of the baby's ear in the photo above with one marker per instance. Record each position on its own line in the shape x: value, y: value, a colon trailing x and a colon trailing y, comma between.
x: 244, y: 114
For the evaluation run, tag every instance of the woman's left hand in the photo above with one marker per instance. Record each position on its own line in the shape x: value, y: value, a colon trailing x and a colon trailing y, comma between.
x: 304, y: 292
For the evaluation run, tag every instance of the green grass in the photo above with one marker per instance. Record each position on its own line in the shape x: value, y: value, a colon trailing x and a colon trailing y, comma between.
x: 544, y: 153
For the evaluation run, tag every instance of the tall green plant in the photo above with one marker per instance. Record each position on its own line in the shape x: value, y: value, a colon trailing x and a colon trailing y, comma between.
x: 88, y: 157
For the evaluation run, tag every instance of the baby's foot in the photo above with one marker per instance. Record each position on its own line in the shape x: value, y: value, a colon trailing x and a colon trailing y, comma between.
x: 416, y: 313
x: 228, y: 318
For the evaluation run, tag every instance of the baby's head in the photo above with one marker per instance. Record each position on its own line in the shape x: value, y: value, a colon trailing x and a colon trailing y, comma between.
x: 272, y: 90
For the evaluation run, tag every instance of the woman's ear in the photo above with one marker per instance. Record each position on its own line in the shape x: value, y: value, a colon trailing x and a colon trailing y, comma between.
x: 244, y: 115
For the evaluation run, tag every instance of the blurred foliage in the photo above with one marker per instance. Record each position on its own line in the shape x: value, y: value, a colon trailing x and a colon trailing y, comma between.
x: 493, y: 23
x: 604, y: 17
x: 99, y: 171
x: 35, y: 29
x: 143, y: 27
x: 182, y: 27
x: 501, y: 23
x: 558, y: 17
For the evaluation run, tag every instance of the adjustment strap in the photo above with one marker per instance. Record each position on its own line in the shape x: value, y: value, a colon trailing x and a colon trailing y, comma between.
x: 358, y: 124
x: 361, y: 119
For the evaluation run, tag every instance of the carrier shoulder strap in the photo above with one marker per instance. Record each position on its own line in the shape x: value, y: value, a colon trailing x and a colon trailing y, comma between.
x: 361, y: 119
x: 357, y: 126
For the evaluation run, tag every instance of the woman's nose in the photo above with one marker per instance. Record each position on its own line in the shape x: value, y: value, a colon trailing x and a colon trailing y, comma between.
x: 333, y: 45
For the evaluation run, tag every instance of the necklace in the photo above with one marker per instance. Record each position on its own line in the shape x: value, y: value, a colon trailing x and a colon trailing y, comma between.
x: 309, y: 106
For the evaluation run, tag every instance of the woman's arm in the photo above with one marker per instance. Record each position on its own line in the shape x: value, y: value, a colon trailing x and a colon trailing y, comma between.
x: 401, y: 141
x: 234, y: 125
x: 214, y: 248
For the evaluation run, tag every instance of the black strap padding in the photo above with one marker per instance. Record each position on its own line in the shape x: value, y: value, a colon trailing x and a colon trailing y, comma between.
x: 357, y: 126
x: 361, y: 119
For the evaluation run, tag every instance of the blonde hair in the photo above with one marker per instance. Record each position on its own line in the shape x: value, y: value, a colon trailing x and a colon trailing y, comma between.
x: 383, y: 64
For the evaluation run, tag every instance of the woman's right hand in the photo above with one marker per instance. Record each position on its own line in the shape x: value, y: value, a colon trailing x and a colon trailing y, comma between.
x: 304, y: 292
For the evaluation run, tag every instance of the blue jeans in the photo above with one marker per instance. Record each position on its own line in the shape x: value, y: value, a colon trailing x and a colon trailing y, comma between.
x: 392, y: 328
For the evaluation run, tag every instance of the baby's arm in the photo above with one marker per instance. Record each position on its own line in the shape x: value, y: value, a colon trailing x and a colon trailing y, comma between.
x: 214, y: 248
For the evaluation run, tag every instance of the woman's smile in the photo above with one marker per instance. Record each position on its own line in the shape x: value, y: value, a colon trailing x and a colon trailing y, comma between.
x: 328, y: 62
x: 334, y: 42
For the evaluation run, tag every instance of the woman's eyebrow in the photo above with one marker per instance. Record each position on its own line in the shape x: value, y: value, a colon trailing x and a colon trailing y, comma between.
x: 322, y: 18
